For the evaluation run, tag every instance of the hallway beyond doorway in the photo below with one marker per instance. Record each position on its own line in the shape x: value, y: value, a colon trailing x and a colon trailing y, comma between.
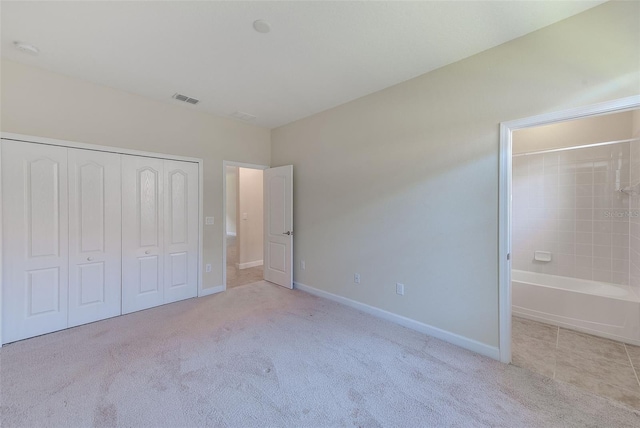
x: 235, y: 275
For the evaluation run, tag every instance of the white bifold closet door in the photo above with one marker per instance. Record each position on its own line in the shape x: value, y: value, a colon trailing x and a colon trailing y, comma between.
x: 180, y: 230
x: 94, y: 236
x: 142, y: 224
x: 89, y: 235
x: 35, y: 239
x: 159, y: 232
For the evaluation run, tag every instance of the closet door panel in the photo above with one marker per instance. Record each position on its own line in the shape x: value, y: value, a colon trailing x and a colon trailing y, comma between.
x: 94, y: 236
x: 181, y: 230
x: 142, y: 233
x: 35, y: 241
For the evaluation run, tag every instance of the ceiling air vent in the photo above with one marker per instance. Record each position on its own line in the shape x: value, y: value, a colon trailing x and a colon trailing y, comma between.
x: 185, y: 98
x: 243, y: 116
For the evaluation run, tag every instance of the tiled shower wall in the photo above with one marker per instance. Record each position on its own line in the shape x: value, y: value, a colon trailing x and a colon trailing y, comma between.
x: 568, y: 203
x: 634, y: 217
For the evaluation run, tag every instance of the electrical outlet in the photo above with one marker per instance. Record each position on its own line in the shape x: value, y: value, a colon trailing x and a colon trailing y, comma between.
x: 356, y: 278
x: 399, y: 289
x: 208, y: 267
x: 302, y: 265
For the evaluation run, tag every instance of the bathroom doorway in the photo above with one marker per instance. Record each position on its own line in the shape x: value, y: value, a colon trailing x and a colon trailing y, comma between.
x: 244, y: 224
x: 570, y: 232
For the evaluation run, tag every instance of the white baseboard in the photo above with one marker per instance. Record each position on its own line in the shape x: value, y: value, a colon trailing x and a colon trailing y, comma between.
x: 455, y: 339
x: 248, y: 265
x: 211, y: 290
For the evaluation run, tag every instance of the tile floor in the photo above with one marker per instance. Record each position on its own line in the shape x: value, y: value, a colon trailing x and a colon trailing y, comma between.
x: 605, y: 367
x: 235, y: 276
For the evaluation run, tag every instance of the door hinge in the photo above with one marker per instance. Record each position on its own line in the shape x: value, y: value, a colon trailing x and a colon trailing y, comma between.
x: 508, y: 256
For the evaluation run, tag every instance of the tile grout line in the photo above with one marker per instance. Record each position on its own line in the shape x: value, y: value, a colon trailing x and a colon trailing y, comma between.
x: 626, y: 390
x: 631, y: 362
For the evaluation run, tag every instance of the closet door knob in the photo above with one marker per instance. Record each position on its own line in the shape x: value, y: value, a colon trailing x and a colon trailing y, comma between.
x: 89, y: 259
x: 147, y: 252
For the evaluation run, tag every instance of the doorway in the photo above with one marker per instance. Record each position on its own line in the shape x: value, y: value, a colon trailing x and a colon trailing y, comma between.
x: 505, y: 196
x: 569, y: 211
x: 244, y: 224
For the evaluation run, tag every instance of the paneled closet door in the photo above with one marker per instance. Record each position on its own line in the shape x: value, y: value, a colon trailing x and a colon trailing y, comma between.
x: 142, y: 233
x: 94, y: 236
x: 35, y: 228
x: 181, y: 230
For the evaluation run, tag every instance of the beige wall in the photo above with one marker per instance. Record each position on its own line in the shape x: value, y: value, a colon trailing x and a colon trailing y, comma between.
x: 598, y: 129
x: 250, y: 213
x: 402, y: 185
x: 41, y: 103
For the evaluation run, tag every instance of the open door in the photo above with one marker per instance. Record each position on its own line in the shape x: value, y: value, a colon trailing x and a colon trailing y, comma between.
x: 278, y: 225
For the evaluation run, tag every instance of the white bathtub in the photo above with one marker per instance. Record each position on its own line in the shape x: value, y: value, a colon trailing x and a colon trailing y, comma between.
x: 598, y: 308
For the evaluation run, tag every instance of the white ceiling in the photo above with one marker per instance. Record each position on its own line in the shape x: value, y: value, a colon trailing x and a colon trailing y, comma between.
x: 317, y: 55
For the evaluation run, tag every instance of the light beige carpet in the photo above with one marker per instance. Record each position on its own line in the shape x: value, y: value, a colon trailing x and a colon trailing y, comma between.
x: 261, y: 355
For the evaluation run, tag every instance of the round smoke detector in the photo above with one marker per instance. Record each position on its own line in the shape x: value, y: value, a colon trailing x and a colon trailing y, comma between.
x: 261, y: 26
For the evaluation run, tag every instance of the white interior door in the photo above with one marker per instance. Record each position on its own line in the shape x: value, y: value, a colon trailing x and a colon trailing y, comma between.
x: 142, y: 237
x: 180, y: 230
x: 35, y: 229
x: 278, y: 225
x: 94, y: 236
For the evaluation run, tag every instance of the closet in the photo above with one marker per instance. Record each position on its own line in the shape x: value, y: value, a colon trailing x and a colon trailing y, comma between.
x: 159, y: 232
x: 89, y: 235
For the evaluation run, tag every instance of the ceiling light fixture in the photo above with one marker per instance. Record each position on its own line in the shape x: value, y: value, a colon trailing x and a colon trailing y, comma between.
x: 243, y: 116
x: 261, y: 26
x: 26, y: 48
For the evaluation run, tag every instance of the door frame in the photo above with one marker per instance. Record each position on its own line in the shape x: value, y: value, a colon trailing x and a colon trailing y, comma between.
x: 225, y: 164
x: 109, y: 149
x: 504, y: 208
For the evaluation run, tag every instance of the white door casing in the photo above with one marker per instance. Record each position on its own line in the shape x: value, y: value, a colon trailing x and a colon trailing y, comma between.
x: 94, y: 236
x: 180, y: 230
x: 278, y: 225
x: 142, y: 233
x: 35, y: 239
